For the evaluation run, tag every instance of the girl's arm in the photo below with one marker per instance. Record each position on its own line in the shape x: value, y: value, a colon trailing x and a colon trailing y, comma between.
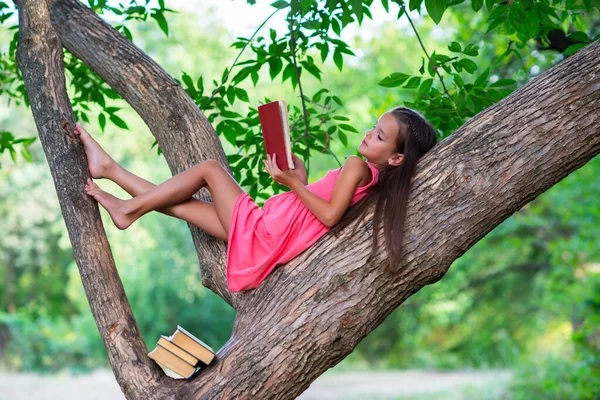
x: 329, y: 213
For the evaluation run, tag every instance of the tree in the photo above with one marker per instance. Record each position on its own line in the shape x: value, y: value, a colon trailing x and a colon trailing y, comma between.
x: 326, y: 300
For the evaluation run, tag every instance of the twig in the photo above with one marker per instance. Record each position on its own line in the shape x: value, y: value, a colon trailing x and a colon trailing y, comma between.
x: 304, y: 112
x: 326, y: 147
x: 239, y: 54
x: 435, y: 68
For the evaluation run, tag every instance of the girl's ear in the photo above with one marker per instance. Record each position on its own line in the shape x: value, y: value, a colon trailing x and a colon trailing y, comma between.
x: 396, y: 160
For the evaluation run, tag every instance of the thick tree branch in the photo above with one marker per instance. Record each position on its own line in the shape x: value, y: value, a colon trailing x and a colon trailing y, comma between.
x: 181, y: 129
x: 311, y: 313
x: 40, y: 59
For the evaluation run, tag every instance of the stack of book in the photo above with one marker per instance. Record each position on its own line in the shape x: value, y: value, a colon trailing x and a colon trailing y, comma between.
x: 181, y: 354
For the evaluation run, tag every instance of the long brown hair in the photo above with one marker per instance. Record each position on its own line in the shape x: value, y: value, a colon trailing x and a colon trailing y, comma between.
x: 390, y: 195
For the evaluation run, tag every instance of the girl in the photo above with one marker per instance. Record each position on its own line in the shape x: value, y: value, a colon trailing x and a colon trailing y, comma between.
x: 260, y: 239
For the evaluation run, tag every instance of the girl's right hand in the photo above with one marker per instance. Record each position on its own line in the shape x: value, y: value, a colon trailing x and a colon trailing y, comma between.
x: 300, y: 169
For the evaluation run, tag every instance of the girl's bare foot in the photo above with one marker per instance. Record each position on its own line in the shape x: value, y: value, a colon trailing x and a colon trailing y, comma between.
x: 115, y: 207
x: 99, y: 162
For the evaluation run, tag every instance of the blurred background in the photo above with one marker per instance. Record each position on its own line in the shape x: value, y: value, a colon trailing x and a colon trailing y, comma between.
x: 517, y: 316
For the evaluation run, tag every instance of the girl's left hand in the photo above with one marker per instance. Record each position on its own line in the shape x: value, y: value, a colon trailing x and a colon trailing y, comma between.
x: 284, y: 177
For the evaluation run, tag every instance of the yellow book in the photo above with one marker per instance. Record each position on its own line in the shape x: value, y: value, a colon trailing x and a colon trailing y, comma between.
x: 178, y: 351
x: 192, y: 345
x: 172, y: 362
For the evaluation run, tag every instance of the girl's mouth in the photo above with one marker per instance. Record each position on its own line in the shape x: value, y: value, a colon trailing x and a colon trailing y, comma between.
x: 365, y: 143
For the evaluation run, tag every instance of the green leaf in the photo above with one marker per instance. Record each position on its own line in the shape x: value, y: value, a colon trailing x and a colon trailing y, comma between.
x: 426, y: 85
x: 341, y: 118
x: 476, y: 5
x: 324, y: 51
x: 118, y: 121
x: 275, y: 65
x: 471, y: 50
x: 288, y: 72
x: 102, y: 121
x: 468, y: 65
x: 231, y: 94
x: 188, y: 81
x: 280, y: 4
x: 357, y: 9
x: 242, y: 94
x: 413, y: 82
x: 412, y: 6
x: 455, y: 47
x: 312, y: 69
x: 233, y: 158
x: 482, y: 79
x: 127, y: 33
x: 435, y: 9
x: 574, y: 48
x: 343, y: 138
x: 347, y: 127
x: 242, y: 74
x: 579, y: 36
x: 13, y: 154
x: 254, y: 76
x: 338, y: 59
x: 503, y: 82
x: 26, y: 154
x: 394, y: 79
x: 162, y: 22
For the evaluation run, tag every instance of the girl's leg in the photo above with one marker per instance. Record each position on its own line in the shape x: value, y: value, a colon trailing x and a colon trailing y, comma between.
x: 200, y: 213
x: 197, y: 212
x: 210, y: 174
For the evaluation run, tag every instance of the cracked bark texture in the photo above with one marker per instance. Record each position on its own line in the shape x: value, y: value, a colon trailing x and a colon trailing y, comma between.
x: 311, y: 313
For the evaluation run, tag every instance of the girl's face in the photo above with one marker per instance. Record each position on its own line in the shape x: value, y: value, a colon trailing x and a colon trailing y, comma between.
x: 379, y: 144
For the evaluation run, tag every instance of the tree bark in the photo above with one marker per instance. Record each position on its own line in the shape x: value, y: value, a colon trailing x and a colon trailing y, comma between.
x: 40, y: 59
x: 311, y: 313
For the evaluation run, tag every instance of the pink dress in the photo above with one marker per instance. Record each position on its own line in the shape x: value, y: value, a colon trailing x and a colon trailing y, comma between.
x: 260, y: 239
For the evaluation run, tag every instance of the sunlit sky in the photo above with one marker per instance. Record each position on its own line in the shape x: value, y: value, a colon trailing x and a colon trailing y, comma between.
x: 242, y: 19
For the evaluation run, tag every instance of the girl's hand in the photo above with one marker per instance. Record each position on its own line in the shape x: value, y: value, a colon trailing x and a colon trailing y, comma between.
x: 300, y: 169
x: 286, y: 178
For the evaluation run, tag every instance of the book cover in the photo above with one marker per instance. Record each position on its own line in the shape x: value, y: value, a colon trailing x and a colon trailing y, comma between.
x: 194, y: 338
x: 276, y: 133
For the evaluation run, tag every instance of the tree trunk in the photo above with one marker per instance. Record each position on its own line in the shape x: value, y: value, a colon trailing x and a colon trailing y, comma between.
x: 40, y: 59
x: 180, y: 128
x: 311, y: 313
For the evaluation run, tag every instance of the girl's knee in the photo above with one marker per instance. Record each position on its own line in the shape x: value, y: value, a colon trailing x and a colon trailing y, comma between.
x: 211, y: 164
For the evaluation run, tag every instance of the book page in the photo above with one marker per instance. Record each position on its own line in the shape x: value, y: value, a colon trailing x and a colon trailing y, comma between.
x: 286, y: 133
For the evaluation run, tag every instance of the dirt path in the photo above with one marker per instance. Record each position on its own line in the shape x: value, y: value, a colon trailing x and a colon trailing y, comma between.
x: 464, y: 385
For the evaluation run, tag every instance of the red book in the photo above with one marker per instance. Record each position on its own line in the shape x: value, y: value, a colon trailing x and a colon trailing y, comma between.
x: 276, y: 132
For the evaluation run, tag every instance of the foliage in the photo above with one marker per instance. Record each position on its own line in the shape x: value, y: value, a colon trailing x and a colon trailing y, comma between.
x: 315, y: 29
x: 576, y: 375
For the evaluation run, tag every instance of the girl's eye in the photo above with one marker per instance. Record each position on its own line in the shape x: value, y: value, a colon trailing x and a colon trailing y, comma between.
x: 379, y: 137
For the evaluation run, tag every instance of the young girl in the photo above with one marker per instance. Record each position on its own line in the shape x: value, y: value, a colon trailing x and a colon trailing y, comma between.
x: 289, y: 223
